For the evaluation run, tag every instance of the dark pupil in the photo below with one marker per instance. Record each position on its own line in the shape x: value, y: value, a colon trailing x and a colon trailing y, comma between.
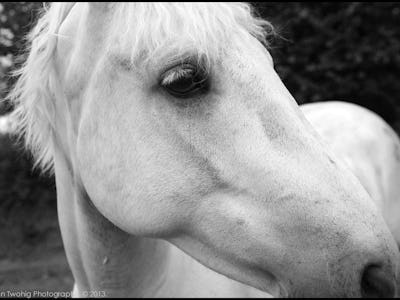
x: 184, y: 84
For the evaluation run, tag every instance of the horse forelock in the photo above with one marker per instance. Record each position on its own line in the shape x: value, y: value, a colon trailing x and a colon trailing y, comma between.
x: 151, y: 31
x: 154, y: 31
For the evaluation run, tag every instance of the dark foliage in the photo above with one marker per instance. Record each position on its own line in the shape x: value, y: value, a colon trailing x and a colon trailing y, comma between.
x: 27, y: 202
x: 346, y: 51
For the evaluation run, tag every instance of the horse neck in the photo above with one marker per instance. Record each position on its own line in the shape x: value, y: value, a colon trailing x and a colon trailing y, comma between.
x: 102, y: 257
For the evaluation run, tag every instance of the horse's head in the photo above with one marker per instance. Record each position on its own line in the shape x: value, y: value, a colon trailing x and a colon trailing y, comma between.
x: 175, y: 123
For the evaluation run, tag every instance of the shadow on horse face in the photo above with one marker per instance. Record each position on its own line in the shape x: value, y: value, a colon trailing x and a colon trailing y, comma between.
x: 208, y: 150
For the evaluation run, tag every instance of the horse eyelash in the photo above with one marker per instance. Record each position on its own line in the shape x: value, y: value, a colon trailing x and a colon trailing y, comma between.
x: 176, y: 74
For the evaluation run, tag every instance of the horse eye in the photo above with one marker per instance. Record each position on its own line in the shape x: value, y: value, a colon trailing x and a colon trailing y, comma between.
x: 184, y: 81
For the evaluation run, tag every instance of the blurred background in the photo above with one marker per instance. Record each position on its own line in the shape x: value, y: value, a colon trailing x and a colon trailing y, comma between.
x: 326, y: 51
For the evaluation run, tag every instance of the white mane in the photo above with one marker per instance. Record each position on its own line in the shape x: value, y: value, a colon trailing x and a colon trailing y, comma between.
x: 33, y: 93
x: 154, y: 30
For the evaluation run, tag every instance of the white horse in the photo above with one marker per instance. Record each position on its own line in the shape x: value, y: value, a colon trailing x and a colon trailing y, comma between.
x: 184, y: 167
